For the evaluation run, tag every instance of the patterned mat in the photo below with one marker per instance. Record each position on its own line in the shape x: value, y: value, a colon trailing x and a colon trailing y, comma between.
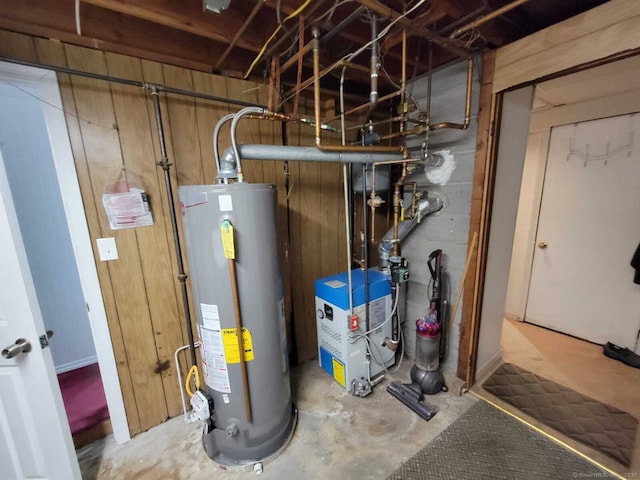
x: 485, y: 443
x: 599, y: 426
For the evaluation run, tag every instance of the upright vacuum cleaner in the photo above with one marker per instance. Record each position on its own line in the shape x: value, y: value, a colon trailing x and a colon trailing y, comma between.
x: 426, y: 377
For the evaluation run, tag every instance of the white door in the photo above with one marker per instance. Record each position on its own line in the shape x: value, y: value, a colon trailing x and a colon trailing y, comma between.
x: 589, y: 228
x: 45, y: 85
x: 35, y: 440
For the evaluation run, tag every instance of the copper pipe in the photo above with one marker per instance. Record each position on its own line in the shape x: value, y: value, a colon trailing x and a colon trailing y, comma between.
x: 239, y: 34
x: 243, y: 363
x: 282, y: 117
x: 489, y: 16
x: 316, y: 103
x: 395, y: 242
x: 373, y: 187
x: 387, y: 12
x: 375, y: 60
x: 437, y: 126
x: 403, y: 81
x: 414, y: 204
x: 330, y: 68
x: 364, y: 106
x: 310, y: 80
x: 397, y: 118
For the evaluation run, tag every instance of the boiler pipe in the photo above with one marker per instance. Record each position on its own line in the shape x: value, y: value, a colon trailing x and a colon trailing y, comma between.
x: 403, y: 82
x: 373, y: 95
x: 396, y: 212
x: 373, y: 188
x: 437, y: 126
x: 166, y: 166
x: 318, y: 123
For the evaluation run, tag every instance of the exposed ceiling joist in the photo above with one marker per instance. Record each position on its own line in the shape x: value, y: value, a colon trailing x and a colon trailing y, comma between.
x: 182, y: 33
x: 187, y: 16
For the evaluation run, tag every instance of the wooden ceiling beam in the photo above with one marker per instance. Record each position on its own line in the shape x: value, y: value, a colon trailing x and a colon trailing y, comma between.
x: 187, y: 16
x: 452, y: 8
x: 437, y: 12
x: 89, y: 42
x: 111, y: 31
x: 423, y: 32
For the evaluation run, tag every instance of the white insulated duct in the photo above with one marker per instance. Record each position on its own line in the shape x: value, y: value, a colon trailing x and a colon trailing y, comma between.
x: 290, y: 153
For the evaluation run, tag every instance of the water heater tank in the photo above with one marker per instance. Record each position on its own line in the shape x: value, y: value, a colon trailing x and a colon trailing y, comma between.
x: 229, y: 437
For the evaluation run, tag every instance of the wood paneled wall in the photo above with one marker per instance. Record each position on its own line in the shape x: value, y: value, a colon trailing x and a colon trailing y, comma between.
x: 317, y: 230
x: 111, y: 126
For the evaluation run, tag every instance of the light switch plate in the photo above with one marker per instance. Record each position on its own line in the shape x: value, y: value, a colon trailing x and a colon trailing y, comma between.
x: 107, y: 249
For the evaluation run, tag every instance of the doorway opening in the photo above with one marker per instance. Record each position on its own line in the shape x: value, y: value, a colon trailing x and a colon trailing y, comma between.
x: 44, y: 186
x: 579, y: 123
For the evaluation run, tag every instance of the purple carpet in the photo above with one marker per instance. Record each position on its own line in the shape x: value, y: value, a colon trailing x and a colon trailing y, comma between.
x: 83, y: 396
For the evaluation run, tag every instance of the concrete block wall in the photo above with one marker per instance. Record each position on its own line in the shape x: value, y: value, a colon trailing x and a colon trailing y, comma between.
x: 447, y: 229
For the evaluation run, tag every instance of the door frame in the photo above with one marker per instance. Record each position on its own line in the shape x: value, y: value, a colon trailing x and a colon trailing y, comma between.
x: 595, y: 37
x: 46, y: 83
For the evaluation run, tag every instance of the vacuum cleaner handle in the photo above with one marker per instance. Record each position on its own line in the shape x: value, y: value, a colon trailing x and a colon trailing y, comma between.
x: 434, y: 255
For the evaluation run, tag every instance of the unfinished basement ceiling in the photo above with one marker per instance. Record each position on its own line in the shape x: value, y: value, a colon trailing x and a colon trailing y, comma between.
x: 183, y: 33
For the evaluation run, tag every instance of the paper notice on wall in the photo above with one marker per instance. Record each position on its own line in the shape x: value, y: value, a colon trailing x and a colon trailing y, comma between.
x: 214, y: 364
x: 127, y: 210
x: 210, y: 316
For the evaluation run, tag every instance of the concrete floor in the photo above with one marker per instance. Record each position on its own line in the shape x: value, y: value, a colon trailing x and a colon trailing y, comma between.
x: 579, y: 365
x: 338, y: 436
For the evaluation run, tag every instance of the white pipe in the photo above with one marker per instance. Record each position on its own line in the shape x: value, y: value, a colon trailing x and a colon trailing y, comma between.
x: 187, y: 418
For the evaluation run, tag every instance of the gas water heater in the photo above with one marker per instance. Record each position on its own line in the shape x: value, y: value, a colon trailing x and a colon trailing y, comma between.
x: 232, y: 250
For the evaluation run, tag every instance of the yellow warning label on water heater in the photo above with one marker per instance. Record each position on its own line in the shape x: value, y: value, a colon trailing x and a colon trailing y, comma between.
x: 226, y: 231
x: 230, y: 342
x: 338, y: 371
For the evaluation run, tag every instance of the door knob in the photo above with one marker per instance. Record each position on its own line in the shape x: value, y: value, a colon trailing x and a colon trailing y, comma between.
x: 20, y: 346
x: 542, y: 245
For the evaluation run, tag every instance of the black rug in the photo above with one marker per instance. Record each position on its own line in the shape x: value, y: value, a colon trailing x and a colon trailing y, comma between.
x: 485, y: 443
x: 599, y: 426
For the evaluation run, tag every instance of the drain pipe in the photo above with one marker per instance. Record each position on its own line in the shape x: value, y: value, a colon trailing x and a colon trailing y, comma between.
x: 166, y: 166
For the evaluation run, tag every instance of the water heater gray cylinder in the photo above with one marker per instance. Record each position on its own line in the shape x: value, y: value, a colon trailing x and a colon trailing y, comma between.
x: 228, y: 437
